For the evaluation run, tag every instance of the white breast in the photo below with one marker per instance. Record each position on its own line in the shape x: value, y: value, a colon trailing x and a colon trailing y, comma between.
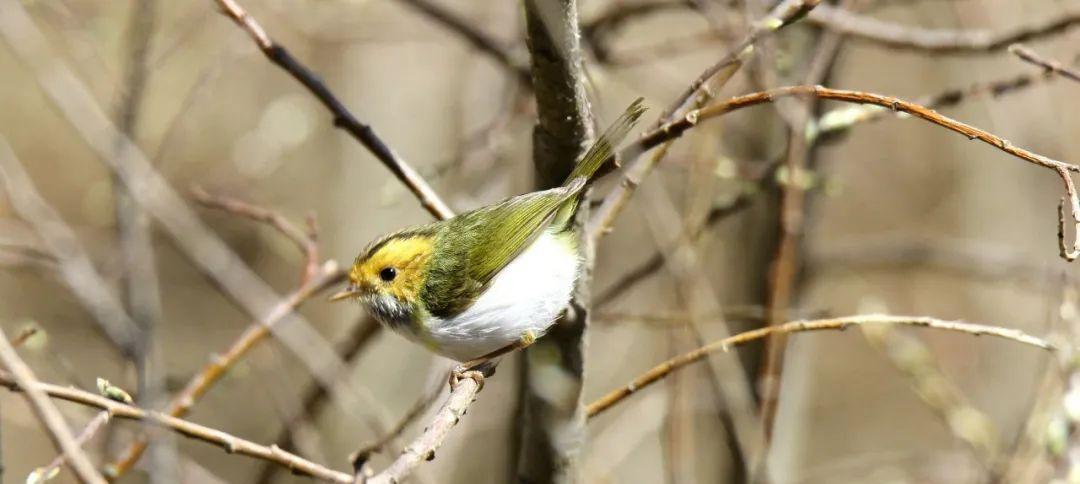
x: 529, y: 294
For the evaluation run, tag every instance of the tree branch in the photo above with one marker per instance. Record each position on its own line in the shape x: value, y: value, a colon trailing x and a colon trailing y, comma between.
x: 424, y: 447
x: 343, y: 118
x: 940, y: 41
x: 694, y: 96
x: 675, y: 128
x: 47, y: 413
x: 231, y: 443
x: 666, y: 368
x: 1048, y: 65
x: 475, y: 37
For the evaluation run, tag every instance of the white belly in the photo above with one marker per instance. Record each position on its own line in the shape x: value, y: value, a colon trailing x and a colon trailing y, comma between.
x: 529, y: 294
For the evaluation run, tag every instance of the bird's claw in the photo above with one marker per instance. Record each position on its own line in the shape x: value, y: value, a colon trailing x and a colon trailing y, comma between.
x: 461, y: 373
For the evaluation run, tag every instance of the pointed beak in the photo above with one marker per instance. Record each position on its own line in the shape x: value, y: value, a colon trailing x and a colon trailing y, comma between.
x: 349, y: 292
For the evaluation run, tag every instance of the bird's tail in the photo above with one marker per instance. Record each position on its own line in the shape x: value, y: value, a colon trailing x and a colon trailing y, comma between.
x: 604, y: 147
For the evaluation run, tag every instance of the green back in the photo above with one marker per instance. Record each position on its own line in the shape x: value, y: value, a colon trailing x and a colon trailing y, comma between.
x: 474, y: 246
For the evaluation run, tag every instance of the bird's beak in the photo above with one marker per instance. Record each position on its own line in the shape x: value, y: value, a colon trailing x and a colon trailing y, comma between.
x: 349, y: 292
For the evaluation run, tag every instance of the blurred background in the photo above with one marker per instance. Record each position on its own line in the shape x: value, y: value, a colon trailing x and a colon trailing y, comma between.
x: 899, y: 216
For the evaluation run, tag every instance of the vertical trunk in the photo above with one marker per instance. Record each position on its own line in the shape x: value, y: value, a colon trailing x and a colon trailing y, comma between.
x: 553, y: 415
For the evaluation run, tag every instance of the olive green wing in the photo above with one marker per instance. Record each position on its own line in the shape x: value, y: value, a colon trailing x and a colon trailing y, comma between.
x: 477, y: 245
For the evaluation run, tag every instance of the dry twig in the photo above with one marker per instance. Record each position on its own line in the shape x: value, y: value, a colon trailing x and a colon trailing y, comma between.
x: 231, y: 443
x: 942, y: 41
x: 48, y: 414
x: 664, y: 369
x: 343, y: 118
x: 1049, y: 65
x: 693, y: 96
x: 475, y: 37
x: 675, y: 128
x: 88, y: 432
x: 424, y: 447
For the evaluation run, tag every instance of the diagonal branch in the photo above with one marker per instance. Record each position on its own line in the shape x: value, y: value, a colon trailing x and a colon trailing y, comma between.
x: 475, y: 37
x: 694, y: 96
x: 47, y: 413
x: 343, y: 118
x: 1050, y: 65
x: 666, y: 368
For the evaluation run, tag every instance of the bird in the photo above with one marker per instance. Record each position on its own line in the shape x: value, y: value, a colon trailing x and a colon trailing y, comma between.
x: 489, y: 281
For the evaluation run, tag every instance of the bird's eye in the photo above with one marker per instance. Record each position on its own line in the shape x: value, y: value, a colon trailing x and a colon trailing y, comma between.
x: 388, y: 274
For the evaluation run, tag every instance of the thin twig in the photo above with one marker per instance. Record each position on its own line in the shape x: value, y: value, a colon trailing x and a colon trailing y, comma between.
x: 841, y: 119
x: 256, y: 332
x: 475, y: 37
x: 305, y: 240
x: 424, y: 447
x: 418, y: 408
x: 343, y: 118
x: 664, y: 369
x: 1049, y: 65
x: 75, y: 266
x: 941, y: 41
x: 674, y: 129
x: 698, y: 92
x: 362, y: 334
x: 48, y: 414
x: 231, y: 443
x: 88, y: 432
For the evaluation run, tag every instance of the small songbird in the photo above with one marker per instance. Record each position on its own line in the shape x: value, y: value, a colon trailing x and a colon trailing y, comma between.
x: 485, y: 282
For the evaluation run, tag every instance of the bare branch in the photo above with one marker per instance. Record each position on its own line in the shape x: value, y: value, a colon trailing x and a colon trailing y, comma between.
x: 362, y: 334
x: 306, y: 241
x: 48, y: 414
x: 88, y: 432
x: 75, y: 265
x: 231, y: 443
x: 424, y: 447
x: 941, y: 41
x: 256, y: 332
x: 673, y: 129
x: 696, y: 94
x: 343, y: 118
x: 475, y: 37
x: 666, y: 368
x: 1049, y: 65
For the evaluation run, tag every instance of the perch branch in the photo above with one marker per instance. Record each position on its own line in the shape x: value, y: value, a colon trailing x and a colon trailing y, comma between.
x: 941, y: 41
x: 1049, y: 65
x: 666, y: 368
x: 343, y: 118
x: 424, y: 447
x: 48, y: 414
x: 231, y: 443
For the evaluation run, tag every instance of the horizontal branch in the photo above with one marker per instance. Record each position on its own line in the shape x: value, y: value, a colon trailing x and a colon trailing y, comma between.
x: 939, y: 40
x: 666, y: 368
x: 231, y: 443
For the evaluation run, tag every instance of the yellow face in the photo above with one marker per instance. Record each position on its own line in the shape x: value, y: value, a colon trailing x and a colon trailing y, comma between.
x: 393, y: 267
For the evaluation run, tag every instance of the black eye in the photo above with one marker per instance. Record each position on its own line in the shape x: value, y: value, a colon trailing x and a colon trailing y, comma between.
x: 388, y: 274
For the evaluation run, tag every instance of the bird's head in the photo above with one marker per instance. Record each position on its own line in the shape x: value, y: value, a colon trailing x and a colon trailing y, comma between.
x: 388, y: 275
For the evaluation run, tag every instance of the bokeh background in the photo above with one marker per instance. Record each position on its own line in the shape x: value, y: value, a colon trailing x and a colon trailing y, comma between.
x: 901, y: 217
